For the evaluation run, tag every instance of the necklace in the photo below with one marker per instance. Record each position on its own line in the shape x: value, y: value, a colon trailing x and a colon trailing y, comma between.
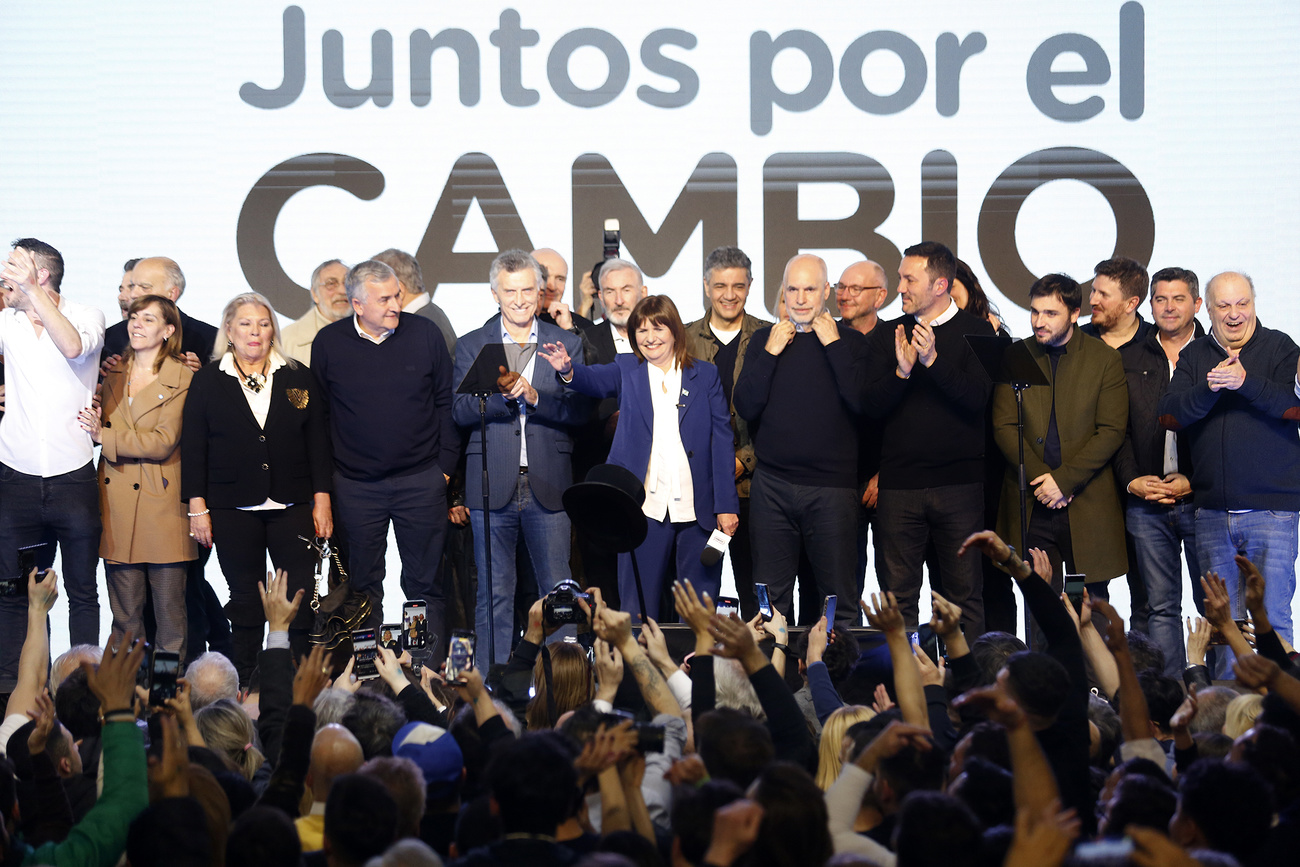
x: 254, y: 382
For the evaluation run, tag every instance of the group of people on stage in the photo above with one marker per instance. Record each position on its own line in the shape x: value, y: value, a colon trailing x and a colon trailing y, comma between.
x: 794, y: 438
x: 799, y: 440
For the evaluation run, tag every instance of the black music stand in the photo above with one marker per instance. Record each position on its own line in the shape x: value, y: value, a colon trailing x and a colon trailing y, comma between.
x: 1009, y: 362
x: 481, y: 381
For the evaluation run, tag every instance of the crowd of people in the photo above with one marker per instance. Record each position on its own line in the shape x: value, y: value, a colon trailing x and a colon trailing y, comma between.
x: 791, y: 444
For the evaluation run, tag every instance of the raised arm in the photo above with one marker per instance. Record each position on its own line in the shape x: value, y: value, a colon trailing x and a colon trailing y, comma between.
x: 615, y: 628
x: 34, y: 659
x: 884, y: 614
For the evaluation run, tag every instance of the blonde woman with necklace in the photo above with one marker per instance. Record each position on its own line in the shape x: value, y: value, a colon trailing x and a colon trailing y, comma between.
x: 258, y: 472
x: 145, y: 543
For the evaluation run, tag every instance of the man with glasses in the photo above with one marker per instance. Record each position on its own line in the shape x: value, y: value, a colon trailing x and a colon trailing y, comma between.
x: 722, y: 337
x: 927, y: 385
x: 329, y: 303
x: 801, y: 389
x: 860, y: 294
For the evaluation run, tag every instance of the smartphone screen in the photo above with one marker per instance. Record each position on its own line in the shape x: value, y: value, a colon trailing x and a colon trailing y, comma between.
x: 390, y: 636
x: 165, y: 669
x: 828, y: 611
x: 363, y: 651
x: 1074, y: 590
x: 727, y: 605
x: 460, y: 654
x: 415, y: 624
x: 16, y: 585
x: 764, y: 601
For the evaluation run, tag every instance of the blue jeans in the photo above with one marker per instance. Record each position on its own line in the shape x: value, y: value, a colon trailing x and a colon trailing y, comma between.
x: 1267, y: 539
x: 546, y: 536
x: 31, y: 506
x: 1159, y: 532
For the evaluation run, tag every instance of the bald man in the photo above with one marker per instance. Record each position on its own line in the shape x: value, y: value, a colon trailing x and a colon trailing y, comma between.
x: 1233, y: 396
x: 551, y: 305
x: 801, y: 391
x: 860, y: 294
x: 334, y: 752
x: 161, y: 276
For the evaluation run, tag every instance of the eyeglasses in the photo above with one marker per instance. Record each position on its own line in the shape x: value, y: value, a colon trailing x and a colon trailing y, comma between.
x: 854, y: 290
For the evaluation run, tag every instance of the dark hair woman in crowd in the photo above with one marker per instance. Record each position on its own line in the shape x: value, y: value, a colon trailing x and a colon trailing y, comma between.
x: 674, y: 432
x: 969, y: 295
x: 145, y: 544
x: 257, y: 470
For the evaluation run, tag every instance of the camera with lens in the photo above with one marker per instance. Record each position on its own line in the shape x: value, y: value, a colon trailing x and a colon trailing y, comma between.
x: 561, y: 605
x: 649, y: 737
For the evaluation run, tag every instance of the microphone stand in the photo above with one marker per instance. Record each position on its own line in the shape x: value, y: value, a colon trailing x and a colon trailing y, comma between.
x: 487, y: 527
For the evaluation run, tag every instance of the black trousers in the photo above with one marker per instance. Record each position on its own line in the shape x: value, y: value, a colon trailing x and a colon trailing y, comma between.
x: 243, y: 539
x: 910, y: 519
x: 824, y: 520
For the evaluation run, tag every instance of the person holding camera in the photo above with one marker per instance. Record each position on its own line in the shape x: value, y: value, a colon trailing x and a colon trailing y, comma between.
x: 675, y: 434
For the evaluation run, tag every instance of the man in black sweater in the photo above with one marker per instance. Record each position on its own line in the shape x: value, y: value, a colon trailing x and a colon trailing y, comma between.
x: 801, y: 390
x: 931, y: 391
x: 1232, y: 395
x: 388, y: 375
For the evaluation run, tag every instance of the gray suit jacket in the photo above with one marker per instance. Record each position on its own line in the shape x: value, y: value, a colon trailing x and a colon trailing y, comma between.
x: 434, y: 314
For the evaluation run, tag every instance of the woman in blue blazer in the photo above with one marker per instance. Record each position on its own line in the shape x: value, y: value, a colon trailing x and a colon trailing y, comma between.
x: 674, y: 432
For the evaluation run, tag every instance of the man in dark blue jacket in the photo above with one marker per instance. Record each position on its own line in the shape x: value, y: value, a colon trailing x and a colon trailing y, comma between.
x: 1233, y: 396
x: 529, y: 448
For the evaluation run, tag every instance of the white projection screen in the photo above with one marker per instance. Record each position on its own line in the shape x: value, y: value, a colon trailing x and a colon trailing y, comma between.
x: 251, y: 141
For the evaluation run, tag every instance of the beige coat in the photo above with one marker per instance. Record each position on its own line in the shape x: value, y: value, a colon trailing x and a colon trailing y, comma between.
x: 140, y: 469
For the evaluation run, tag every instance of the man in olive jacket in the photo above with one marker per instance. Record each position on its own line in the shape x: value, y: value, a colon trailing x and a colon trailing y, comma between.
x: 721, y: 338
x: 1072, y: 430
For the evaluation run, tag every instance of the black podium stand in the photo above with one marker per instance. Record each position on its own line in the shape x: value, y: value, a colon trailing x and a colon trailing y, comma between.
x: 481, y: 381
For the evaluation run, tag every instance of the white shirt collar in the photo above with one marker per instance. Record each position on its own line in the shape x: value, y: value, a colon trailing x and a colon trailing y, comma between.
x: 356, y: 321
x: 621, y: 344
x: 944, y: 317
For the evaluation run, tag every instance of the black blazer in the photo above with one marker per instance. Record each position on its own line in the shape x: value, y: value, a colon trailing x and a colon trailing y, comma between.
x: 231, y: 462
x: 197, y: 337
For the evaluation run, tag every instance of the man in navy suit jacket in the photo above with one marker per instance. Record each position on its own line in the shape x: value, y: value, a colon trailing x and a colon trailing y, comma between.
x: 529, y: 447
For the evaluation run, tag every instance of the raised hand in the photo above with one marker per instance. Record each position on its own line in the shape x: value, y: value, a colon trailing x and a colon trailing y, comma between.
x: 994, y: 703
x: 1255, y: 672
x: 931, y: 674
x: 113, y: 681
x: 1186, y: 712
x: 1198, y: 639
x: 279, y: 609
x: 656, y: 647
x: 945, y: 617
x: 699, y: 614
x: 1254, y: 581
x: 557, y: 357
x: 1218, y: 607
x: 45, y: 720
x: 609, y: 669
x: 883, y: 613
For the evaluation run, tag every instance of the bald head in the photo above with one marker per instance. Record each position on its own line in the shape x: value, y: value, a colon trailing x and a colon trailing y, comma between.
x: 557, y: 274
x: 860, y: 293
x: 157, y: 275
x: 805, y: 287
x: 1231, y: 299
x: 334, y: 752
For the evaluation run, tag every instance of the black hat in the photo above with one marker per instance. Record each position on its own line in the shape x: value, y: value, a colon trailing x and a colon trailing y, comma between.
x: 607, y: 507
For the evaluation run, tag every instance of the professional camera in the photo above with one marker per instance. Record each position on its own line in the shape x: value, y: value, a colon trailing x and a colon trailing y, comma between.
x: 561, y: 605
x: 649, y: 737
